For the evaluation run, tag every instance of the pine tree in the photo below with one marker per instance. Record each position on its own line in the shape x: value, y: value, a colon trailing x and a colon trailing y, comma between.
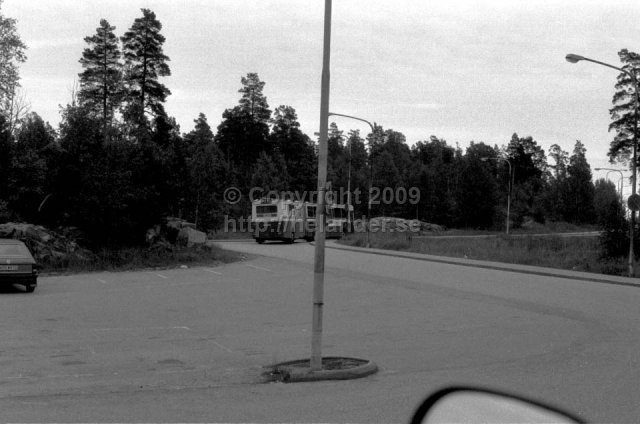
x: 207, y: 175
x: 101, y: 81
x: 145, y: 62
x: 623, y: 119
x: 296, y: 148
x: 253, y: 102
x: 243, y: 133
x: 578, y: 198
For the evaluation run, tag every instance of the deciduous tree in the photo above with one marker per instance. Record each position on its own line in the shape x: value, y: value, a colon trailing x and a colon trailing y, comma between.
x: 11, y: 54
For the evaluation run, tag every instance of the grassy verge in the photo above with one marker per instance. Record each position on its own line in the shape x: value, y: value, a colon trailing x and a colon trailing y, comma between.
x: 231, y: 235
x: 131, y: 258
x: 574, y: 253
x: 528, y: 228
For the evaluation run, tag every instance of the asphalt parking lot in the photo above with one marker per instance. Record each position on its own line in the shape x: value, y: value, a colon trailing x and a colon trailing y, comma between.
x: 188, y: 345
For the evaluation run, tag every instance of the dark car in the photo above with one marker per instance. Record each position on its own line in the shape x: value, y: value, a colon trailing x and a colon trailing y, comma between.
x: 17, y: 265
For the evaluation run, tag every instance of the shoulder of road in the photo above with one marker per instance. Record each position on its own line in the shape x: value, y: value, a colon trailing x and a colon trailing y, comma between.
x: 526, y: 269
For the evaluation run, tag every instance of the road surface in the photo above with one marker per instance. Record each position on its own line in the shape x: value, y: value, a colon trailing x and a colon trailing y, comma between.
x: 188, y: 345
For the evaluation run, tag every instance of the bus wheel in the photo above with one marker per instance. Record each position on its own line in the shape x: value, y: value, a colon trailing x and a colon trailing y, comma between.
x: 259, y: 240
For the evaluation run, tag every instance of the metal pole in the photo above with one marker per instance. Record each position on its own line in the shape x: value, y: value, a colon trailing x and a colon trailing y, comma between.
x: 370, y: 172
x: 369, y: 200
x: 318, y: 268
x: 609, y: 171
x: 509, y: 196
x: 349, y: 223
x: 633, y: 178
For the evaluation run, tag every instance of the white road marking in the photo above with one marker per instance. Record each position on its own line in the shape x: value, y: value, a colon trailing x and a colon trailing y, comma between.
x: 102, y: 281
x: 258, y: 267
x: 213, y: 272
x: 181, y: 327
x: 24, y: 377
x: 162, y: 276
x: 221, y: 346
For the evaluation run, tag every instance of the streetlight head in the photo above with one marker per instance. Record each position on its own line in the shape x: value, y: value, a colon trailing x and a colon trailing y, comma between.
x: 573, y: 58
x: 597, y: 169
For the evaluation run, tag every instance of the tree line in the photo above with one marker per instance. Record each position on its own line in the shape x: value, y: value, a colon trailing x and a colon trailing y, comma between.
x: 118, y: 163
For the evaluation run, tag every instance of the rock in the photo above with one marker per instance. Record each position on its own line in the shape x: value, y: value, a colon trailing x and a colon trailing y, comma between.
x: 46, y: 245
x: 190, y: 237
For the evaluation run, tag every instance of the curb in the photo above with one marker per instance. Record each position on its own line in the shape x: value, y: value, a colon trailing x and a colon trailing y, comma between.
x: 287, y: 372
x: 210, y: 241
x: 523, y: 269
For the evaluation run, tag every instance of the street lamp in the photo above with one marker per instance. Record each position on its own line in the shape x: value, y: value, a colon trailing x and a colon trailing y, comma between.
x: 620, y: 185
x: 370, y: 176
x: 511, y: 176
x: 315, y: 361
x: 632, y: 202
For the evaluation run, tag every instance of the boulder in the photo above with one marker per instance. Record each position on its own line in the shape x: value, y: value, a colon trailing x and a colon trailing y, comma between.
x: 188, y: 236
x: 45, y: 245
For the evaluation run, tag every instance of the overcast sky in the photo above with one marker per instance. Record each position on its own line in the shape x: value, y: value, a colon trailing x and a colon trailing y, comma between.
x: 460, y: 70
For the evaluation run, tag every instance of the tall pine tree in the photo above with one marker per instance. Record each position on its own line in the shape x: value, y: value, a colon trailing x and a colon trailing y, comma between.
x: 145, y: 62
x: 623, y: 118
x: 101, y: 81
x: 243, y: 133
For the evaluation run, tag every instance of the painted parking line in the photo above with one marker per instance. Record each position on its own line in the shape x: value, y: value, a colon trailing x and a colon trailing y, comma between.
x: 258, y: 267
x: 102, y: 281
x: 213, y: 272
x: 25, y: 377
x: 221, y: 346
x: 163, y: 276
x: 178, y: 327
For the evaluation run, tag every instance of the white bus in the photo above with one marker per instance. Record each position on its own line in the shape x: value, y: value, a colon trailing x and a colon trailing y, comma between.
x: 277, y: 219
x: 339, y: 220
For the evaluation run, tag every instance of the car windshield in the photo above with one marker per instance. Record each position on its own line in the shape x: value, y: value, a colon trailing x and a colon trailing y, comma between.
x: 13, y: 250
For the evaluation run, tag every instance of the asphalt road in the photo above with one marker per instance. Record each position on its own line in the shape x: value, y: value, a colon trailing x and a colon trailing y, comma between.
x: 189, y: 344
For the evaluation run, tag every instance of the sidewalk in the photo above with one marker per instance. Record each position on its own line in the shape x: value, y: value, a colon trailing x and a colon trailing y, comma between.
x: 526, y: 269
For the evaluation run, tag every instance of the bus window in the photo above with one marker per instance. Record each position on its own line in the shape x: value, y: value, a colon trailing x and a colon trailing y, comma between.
x: 266, y: 210
x: 311, y: 211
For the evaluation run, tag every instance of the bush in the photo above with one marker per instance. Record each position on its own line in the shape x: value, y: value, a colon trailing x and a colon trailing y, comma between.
x: 614, y: 241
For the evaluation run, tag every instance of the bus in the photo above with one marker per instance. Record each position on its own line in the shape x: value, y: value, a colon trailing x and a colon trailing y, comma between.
x: 339, y: 220
x: 279, y: 219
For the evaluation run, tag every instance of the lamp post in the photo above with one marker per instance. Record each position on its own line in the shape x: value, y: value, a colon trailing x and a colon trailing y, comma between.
x: 633, y: 199
x: 370, y: 176
x: 315, y: 361
x: 511, y: 176
x: 620, y: 184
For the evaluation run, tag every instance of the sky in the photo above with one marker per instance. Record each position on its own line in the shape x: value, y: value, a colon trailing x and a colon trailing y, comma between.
x: 460, y: 70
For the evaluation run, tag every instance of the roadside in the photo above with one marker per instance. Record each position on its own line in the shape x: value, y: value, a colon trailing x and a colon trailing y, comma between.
x: 143, y: 258
x: 526, y: 269
x: 574, y: 251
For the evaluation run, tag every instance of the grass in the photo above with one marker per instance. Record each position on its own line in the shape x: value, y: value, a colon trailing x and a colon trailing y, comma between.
x: 573, y: 253
x: 132, y: 258
x: 231, y: 234
x: 527, y: 228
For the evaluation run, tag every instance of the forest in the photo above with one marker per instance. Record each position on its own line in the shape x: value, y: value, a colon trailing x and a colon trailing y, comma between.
x: 116, y: 164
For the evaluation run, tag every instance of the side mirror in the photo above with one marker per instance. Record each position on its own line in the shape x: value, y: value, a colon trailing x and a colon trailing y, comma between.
x: 470, y: 405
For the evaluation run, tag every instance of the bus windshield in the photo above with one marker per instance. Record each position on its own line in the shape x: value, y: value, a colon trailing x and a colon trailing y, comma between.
x: 266, y: 210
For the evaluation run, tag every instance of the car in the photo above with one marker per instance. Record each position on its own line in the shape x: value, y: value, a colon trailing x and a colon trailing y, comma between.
x: 17, y: 265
